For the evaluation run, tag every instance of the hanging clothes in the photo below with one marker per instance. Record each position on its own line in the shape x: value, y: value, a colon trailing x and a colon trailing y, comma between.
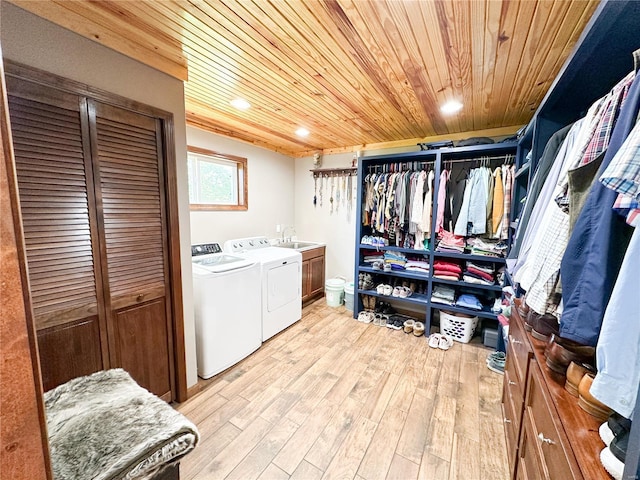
x: 597, y: 245
x: 543, y: 274
x: 618, y: 347
x: 442, y: 199
x: 498, y: 203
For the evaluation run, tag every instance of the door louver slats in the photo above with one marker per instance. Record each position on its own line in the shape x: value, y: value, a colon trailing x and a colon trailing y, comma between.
x: 53, y: 193
x: 129, y: 183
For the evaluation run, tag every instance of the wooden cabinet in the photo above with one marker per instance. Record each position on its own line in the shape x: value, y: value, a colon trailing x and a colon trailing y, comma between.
x: 548, y: 435
x: 92, y: 180
x: 312, y: 274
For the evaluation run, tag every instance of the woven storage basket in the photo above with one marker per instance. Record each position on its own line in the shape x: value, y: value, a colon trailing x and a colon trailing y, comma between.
x: 460, y: 329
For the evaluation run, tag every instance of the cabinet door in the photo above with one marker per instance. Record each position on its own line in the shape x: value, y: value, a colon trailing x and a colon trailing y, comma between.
x: 128, y: 166
x: 316, y: 276
x: 51, y: 142
x: 306, y: 281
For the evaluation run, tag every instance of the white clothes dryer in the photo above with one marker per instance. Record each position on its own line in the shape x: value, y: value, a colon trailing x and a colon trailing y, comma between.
x: 281, y: 281
x: 227, y: 303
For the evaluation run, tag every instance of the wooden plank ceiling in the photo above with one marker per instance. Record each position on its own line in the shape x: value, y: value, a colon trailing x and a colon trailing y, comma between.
x: 356, y: 73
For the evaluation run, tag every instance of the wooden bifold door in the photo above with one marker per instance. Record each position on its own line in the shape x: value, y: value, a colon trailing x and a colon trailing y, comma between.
x: 91, y: 181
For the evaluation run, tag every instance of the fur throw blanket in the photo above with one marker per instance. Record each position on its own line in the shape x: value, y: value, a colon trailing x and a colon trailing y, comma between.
x: 105, y: 426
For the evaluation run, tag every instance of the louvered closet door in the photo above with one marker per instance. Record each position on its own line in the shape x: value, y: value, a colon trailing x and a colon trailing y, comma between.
x: 56, y: 194
x: 128, y: 164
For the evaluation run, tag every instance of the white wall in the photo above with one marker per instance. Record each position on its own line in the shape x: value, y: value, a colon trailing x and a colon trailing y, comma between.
x: 317, y: 223
x: 30, y: 40
x: 271, y: 178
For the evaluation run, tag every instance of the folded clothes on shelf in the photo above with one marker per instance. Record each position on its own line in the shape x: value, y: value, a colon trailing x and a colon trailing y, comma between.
x: 470, y: 278
x: 480, y: 274
x: 467, y: 300
x: 396, y: 260
x: 443, y: 294
x: 420, y: 266
x: 487, y: 247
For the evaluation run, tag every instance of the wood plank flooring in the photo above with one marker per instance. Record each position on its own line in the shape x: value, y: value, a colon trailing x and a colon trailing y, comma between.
x: 331, y: 397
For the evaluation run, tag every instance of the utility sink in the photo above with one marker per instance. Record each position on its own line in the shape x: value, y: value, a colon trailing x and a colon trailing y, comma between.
x: 300, y: 246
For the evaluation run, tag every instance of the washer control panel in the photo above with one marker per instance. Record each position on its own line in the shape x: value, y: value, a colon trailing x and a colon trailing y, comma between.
x: 205, y: 249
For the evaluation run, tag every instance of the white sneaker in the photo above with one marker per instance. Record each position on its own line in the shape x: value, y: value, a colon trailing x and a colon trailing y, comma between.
x: 445, y: 342
x: 434, y: 340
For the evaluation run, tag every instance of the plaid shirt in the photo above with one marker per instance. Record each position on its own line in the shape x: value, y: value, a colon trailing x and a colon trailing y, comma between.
x: 623, y: 173
x: 600, y: 140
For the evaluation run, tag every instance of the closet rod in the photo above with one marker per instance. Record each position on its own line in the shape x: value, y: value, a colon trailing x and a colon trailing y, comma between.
x: 410, y: 164
x: 479, y: 159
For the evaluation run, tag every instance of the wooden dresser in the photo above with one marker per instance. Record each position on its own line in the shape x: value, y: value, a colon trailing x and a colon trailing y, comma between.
x: 548, y: 435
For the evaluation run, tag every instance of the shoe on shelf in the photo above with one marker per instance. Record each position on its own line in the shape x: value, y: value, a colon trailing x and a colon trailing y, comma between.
x: 614, y: 456
x: 380, y: 289
x: 409, y: 326
x: 588, y: 402
x: 560, y: 352
x: 434, y: 340
x: 614, y: 427
x: 387, y: 290
x: 544, y: 326
x: 396, y: 292
x: 418, y: 329
x: 445, y: 343
x: 575, y: 372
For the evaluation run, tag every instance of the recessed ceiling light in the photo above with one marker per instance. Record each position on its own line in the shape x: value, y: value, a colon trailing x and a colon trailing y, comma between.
x: 451, y: 106
x: 302, y: 132
x: 240, y: 104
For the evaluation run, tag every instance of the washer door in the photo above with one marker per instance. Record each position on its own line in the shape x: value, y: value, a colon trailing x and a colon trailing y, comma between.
x: 283, y: 285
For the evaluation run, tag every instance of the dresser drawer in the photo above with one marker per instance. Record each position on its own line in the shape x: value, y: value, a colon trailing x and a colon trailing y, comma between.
x: 529, y: 466
x: 552, y: 446
x: 519, y: 352
x: 514, y: 397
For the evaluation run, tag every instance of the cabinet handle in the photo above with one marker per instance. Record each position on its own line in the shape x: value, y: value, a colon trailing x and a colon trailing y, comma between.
x: 506, y: 420
x: 515, y: 342
x: 548, y: 441
x: 511, y: 382
x: 140, y: 297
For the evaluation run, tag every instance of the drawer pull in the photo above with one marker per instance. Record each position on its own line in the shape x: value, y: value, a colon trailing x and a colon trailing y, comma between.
x: 511, y: 382
x: 548, y: 441
x: 515, y: 342
x: 506, y: 420
x: 140, y: 297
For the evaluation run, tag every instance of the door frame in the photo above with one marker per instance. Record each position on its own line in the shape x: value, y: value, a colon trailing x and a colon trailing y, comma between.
x: 34, y: 75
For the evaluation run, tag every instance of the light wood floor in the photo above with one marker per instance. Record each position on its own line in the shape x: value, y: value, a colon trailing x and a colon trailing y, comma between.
x: 334, y: 398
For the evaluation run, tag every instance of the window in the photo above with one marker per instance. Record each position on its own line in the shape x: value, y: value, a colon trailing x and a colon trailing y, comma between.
x: 217, y: 181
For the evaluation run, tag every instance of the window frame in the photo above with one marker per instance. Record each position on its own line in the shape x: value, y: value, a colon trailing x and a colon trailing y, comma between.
x: 241, y: 181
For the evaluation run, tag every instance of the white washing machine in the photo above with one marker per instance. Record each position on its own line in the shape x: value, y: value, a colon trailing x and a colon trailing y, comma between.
x: 281, y: 281
x: 227, y: 302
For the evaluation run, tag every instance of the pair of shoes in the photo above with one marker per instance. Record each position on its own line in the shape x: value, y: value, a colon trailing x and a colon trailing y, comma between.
x: 575, y: 373
x: 418, y: 329
x: 379, y: 320
x: 408, y: 325
x: 560, y: 352
x: 544, y: 326
x: 443, y: 342
x: 614, y: 455
x: 588, y: 402
x: 378, y: 265
x: 402, y: 292
x: 366, y: 317
x: 395, y: 322
x: 496, y: 362
x: 367, y: 282
x: 384, y: 289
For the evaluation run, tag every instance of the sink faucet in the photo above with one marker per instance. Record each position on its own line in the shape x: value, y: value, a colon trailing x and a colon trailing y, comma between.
x: 291, y: 231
